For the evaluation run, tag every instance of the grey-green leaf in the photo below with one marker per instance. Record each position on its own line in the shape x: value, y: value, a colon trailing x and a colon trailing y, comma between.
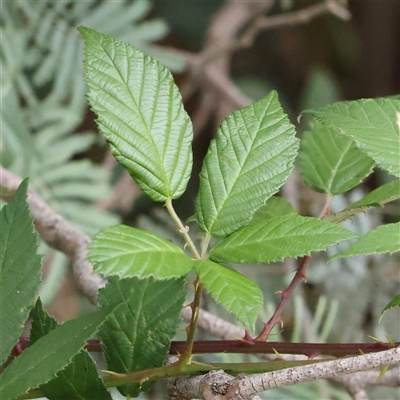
x: 20, y: 266
x: 138, y: 335
x: 126, y: 252
x: 330, y: 163
x: 237, y: 293
x: 373, y: 124
x: 79, y: 380
x: 384, y: 239
x: 140, y: 114
x: 248, y: 161
x: 39, y: 363
x: 289, y: 236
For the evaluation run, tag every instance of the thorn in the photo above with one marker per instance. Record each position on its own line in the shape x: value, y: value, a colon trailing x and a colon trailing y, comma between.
x: 383, y: 372
x: 374, y: 338
x: 278, y: 356
x: 390, y: 340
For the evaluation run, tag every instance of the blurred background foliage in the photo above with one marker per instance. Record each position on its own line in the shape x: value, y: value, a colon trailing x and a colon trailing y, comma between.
x: 48, y: 133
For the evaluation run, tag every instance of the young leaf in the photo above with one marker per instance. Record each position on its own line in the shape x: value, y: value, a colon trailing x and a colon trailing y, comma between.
x: 289, y: 236
x: 139, y: 333
x: 330, y: 163
x: 140, y: 114
x: 126, y: 252
x: 79, y: 380
x: 393, y: 303
x: 274, y: 207
x: 384, y: 239
x: 39, y: 363
x: 248, y: 161
x: 237, y: 293
x: 20, y: 266
x: 384, y: 194
x: 371, y: 124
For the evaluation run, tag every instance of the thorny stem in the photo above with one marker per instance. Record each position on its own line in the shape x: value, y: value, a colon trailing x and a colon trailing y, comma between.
x: 184, y: 359
x: 286, y: 294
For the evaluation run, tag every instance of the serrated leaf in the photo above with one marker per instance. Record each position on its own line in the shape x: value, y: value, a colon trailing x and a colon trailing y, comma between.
x: 384, y: 194
x: 371, y: 124
x: 20, y: 267
x: 393, y: 303
x: 384, y: 239
x: 330, y: 163
x: 274, y: 207
x: 248, y: 161
x: 139, y: 333
x: 237, y: 293
x: 289, y: 236
x: 126, y: 252
x: 79, y: 380
x: 377, y: 198
x: 39, y: 363
x: 140, y: 113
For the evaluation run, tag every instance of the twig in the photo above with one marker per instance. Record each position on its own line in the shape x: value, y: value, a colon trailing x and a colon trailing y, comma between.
x: 286, y: 294
x: 325, y: 370
x: 61, y: 235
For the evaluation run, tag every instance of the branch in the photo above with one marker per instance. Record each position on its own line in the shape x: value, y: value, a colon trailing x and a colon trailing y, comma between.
x: 61, y: 235
x: 249, y: 386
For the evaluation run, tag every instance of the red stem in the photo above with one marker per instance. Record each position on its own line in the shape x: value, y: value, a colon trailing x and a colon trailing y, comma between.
x: 238, y: 346
x: 286, y: 294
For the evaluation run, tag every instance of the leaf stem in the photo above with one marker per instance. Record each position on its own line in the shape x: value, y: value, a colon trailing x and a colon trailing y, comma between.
x: 204, y: 246
x: 185, y: 358
x: 286, y: 294
x: 182, y: 229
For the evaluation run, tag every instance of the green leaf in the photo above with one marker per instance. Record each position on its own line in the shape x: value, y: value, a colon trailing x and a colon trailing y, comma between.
x: 20, y: 266
x: 371, y: 123
x: 384, y: 194
x: 124, y: 251
x: 274, y: 207
x: 384, y: 239
x: 393, y: 303
x: 39, y: 363
x: 79, y: 380
x: 248, y: 161
x: 139, y: 333
x: 289, y: 236
x: 237, y: 293
x: 330, y: 163
x: 377, y: 198
x: 140, y: 114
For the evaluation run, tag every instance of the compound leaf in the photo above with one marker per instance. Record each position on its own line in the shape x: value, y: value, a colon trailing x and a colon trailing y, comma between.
x: 79, y: 380
x: 288, y: 236
x: 331, y: 163
x: 39, y: 363
x: 20, y: 266
x: 384, y: 239
x: 371, y: 123
x: 138, y: 335
x: 140, y: 114
x: 248, y: 161
x: 237, y: 293
x: 126, y: 252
